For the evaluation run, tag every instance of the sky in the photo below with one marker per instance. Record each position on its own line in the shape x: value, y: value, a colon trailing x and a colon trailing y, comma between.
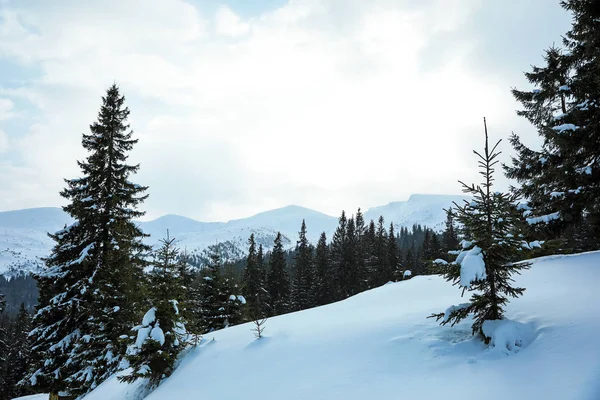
x: 243, y: 106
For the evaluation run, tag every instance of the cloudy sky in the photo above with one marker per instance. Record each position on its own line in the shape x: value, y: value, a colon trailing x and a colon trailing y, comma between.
x: 246, y: 105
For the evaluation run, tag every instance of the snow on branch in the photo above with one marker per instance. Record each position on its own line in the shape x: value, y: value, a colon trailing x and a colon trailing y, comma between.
x: 543, y: 218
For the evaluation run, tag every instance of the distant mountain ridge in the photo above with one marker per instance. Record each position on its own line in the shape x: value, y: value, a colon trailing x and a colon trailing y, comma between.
x: 24, y: 240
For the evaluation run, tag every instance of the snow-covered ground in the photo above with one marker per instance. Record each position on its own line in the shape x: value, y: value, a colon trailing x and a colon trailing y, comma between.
x: 23, y: 233
x: 379, y: 345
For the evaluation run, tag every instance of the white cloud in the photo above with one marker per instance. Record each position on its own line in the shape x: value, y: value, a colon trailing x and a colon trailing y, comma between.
x: 6, y: 109
x: 320, y: 103
x: 228, y: 23
x: 3, y: 142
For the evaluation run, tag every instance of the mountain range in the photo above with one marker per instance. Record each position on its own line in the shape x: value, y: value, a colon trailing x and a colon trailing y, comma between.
x: 24, y: 240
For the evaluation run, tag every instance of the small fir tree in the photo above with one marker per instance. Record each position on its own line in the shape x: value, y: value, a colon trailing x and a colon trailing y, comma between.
x: 162, y: 335
x: 493, y: 240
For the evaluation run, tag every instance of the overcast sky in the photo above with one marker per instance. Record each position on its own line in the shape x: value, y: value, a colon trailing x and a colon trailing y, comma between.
x: 247, y: 105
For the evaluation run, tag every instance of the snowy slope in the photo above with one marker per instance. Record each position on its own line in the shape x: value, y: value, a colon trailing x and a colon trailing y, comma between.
x: 424, y: 209
x: 379, y: 345
x: 23, y: 233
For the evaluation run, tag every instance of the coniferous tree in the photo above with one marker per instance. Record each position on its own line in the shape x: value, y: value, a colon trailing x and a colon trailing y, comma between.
x: 255, y: 292
x: 449, y: 236
x: 338, y: 262
x: 383, y: 271
x: 361, y: 252
x: 493, y: 236
x: 392, y: 256
x: 212, y: 305
x: 324, y: 274
x: 161, y: 336
x: 302, y: 293
x: 349, y: 278
x: 17, y: 356
x: 90, y: 289
x: 561, y: 181
x: 278, y: 282
x: 191, y: 303
x: 371, y: 263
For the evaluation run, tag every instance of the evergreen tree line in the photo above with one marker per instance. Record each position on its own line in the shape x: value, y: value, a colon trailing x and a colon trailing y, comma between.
x: 360, y: 256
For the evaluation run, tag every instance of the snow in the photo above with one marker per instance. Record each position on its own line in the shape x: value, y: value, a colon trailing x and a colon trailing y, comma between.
x: 149, y: 317
x: 508, y: 336
x: 565, y: 127
x: 451, y: 309
x: 142, y: 335
x: 440, y: 261
x: 543, y: 218
x: 242, y: 299
x: 380, y: 345
x: 407, y: 273
x: 158, y: 334
x: 44, y: 396
x: 564, y: 88
x: 472, y: 266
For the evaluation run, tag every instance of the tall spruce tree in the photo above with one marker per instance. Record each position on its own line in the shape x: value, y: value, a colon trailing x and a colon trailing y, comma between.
x: 383, y: 271
x: 212, y: 305
x: 561, y: 180
x: 254, y: 288
x: 349, y: 278
x: 493, y: 242
x: 338, y: 262
x: 278, y: 282
x: 90, y: 290
x: 161, y: 336
x: 302, y: 293
x: 371, y: 264
x: 324, y: 274
x: 362, y: 255
x: 450, y: 235
x: 392, y: 262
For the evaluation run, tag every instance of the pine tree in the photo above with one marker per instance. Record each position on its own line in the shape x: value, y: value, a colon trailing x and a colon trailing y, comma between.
x: 302, y: 293
x: 561, y: 181
x: 449, y: 236
x: 338, y: 262
x: 278, y: 282
x: 161, y: 336
x: 371, y: 262
x: 324, y: 274
x: 392, y: 256
x: 254, y: 286
x: 90, y: 289
x: 191, y: 303
x: 349, y: 280
x: 17, y: 356
x: 361, y: 252
x: 493, y: 236
x: 383, y: 271
x: 213, y: 299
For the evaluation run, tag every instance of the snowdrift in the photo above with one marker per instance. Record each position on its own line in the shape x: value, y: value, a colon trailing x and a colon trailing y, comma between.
x: 379, y: 345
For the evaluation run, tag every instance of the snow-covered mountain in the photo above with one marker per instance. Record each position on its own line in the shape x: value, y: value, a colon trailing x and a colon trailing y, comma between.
x: 23, y: 233
x: 380, y: 345
x: 424, y: 209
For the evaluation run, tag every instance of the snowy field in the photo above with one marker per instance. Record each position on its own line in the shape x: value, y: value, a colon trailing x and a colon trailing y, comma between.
x: 379, y: 345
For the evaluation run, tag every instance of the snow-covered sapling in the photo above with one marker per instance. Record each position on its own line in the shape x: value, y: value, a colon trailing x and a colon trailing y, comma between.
x: 492, y: 232
x: 259, y: 327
